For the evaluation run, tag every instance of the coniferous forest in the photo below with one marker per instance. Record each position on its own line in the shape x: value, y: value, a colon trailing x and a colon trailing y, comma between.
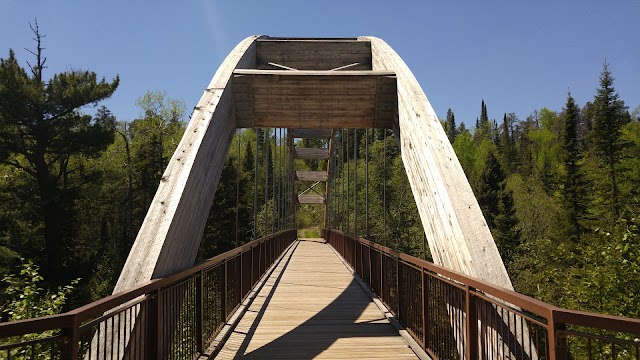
x: 558, y: 188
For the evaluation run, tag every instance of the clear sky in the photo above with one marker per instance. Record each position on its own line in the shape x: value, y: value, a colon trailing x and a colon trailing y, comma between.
x: 518, y: 56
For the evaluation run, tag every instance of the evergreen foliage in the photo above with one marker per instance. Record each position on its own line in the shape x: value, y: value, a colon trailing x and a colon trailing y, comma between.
x: 44, y: 134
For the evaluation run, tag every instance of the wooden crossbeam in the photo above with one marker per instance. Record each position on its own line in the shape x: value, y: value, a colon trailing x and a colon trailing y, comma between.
x: 281, y: 66
x: 310, y: 199
x: 311, y: 154
x: 345, y: 67
x: 320, y: 54
x: 311, y: 133
x: 314, y: 99
x: 303, y: 175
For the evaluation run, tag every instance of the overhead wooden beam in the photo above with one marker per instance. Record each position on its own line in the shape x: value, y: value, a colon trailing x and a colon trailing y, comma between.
x: 310, y: 199
x: 281, y: 66
x: 306, y: 175
x: 311, y: 153
x: 314, y: 99
x: 315, y: 54
x: 345, y: 67
x: 311, y: 133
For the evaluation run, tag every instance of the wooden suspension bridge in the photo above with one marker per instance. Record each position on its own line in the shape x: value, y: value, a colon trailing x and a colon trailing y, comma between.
x: 339, y: 296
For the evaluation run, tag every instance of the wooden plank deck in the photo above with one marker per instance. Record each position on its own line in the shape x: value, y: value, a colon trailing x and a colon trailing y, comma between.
x: 311, y: 307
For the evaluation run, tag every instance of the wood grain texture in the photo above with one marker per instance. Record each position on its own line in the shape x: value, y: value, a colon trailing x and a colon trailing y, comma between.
x: 310, y: 199
x: 311, y: 153
x: 314, y: 99
x: 308, y: 175
x: 314, y: 54
x: 170, y: 234
x: 457, y: 232
x: 311, y: 307
x: 311, y: 133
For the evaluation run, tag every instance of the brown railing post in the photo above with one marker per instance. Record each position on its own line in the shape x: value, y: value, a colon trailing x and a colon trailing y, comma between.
x: 71, y: 342
x: 424, y: 309
x: 557, y: 345
x: 153, y: 325
x: 398, y: 292
x: 199, y: 312
x: 472, y: 324
x: 224, y: 294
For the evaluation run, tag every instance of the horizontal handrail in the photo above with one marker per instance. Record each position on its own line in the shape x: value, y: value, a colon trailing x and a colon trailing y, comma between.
x: 528, y: 328
x: 184, y: 290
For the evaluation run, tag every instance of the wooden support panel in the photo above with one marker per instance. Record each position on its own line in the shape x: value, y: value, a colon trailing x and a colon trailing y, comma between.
x: 314, y: 99
x: 311, y: 153
x: 314, y: 54
x: 311, y: 133
x: 302, y: 175
x: 310, y: 199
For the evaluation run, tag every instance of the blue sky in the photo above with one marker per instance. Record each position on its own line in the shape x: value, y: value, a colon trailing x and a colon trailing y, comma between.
x: 518, y: 56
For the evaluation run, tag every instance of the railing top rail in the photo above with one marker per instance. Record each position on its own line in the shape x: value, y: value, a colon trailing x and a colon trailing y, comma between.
x: 77, y: 316
x: 546, y: 310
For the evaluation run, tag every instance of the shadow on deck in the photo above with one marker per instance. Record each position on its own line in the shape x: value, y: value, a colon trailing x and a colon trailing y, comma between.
x: 311, y: 307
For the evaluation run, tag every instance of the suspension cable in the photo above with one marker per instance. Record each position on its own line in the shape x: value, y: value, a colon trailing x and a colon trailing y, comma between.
x: 237, y: 187
x: 355, y: 182
x: 342, y: 202
x: 366, y: 179
x: 255, y: 188
x: 348, y: 188
x: 273, y: 183
x: 266, y: 182
x: 384, y: 189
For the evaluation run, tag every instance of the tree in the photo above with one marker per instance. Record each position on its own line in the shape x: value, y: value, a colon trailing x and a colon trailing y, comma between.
x: 574, y: 183
x: 483, y: 126
x: 43, y: 133
x: 609, y: 116
x: 154, y: 138
x: 451, y: 126
x: 498, y: 208
x: 507, y: 145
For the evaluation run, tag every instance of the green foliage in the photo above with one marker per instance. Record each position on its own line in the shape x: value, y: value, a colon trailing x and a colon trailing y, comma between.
x: 44, y: 134
x: 575, y: 185
x: 609, y: 117
x: 24, y: 298
x: 564, y: 237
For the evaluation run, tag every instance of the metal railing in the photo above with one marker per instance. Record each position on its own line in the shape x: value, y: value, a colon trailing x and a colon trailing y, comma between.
x: 176, y: 317
x: 453, y: 316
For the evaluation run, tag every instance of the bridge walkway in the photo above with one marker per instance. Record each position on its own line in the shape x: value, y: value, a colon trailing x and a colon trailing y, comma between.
x: 312, y: 307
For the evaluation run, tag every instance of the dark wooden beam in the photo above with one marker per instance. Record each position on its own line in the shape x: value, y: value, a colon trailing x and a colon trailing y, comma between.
x: 311, y: 133
x: 318, y: 54
x: 311, y: 153
x: 310, y: 199
x: 314, y: 99
x: 304, y: 175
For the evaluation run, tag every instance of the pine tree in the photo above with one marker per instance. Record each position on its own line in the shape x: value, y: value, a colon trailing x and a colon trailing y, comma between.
x: 489, y: 187
x: 610, y: 115
x: 498, y: 209
x: 507, y: 146
x: 43, y: 132
x: 574, y: 184
x: 483, y: 126
x: 451, y: 126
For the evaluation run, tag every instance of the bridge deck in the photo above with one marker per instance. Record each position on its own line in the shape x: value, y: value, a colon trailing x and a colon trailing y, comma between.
x: 311, y: 307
